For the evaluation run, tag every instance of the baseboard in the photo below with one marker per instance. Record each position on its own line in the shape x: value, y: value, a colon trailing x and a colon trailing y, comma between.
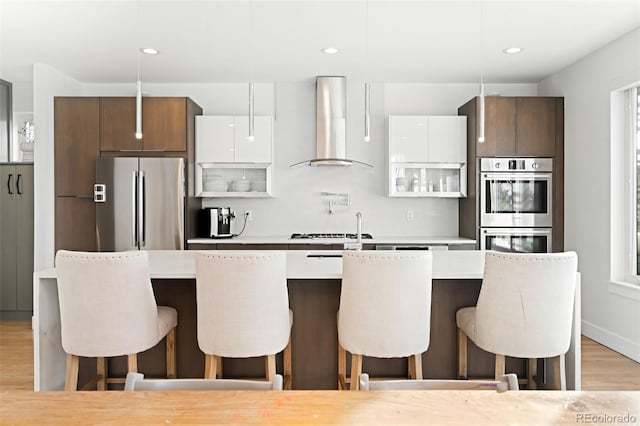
x: 612, y: 340
x: 15, y: 315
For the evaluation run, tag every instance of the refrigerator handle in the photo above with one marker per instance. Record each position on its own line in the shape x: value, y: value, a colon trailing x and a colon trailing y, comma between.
x: 142, y: 198
x: 134, y: 207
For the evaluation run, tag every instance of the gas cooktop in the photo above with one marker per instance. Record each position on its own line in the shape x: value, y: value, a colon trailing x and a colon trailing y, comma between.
x: 328, y: 236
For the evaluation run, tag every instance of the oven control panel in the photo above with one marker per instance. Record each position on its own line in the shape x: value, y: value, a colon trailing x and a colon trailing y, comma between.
x: 516, y: 164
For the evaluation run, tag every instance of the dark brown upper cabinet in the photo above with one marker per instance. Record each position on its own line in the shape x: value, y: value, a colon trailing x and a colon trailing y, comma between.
x: 535, y: 127
x: 164, y: 124
x: 499, y: 127
x: 516, y: 126
x: 118, y: 125
x: 76, y: 145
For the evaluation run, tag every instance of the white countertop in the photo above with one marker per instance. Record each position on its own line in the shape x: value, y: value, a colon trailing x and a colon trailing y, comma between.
x: 177, y: 264
x: 418, y: 240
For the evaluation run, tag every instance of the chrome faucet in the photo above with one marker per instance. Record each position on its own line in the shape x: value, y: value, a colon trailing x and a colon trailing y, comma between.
x: 358, y: 244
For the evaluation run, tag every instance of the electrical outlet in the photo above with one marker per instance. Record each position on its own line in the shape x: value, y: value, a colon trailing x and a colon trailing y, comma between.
x: 249, y: 214
x: 409, y: 215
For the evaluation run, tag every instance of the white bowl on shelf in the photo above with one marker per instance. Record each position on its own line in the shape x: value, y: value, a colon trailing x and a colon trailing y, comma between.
x: 241, y: 185
x: 215, y: 185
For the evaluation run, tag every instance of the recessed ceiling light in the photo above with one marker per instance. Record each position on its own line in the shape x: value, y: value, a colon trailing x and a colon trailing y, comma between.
x: 330, y: 50
x: 510, y: 50
x: 149, y: 51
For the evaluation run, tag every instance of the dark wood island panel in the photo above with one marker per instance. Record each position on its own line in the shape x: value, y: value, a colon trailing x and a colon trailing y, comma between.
x: 315, y: 338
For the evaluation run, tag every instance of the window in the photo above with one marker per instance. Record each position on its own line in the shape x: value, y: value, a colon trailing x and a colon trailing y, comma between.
x: 635, y: 177
x: 625, y: 187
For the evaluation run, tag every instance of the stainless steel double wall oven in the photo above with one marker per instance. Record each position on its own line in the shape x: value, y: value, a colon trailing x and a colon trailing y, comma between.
x: 516, y: 196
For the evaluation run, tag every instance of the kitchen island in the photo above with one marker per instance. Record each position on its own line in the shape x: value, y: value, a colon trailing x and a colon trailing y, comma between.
x: 314, y: 295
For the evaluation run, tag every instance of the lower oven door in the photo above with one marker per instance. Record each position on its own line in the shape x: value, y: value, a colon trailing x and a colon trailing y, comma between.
x: 516, y: 240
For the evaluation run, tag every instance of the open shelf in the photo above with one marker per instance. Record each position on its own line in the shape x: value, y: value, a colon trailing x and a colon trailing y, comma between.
x: 233, y: 180
x: 437, y: 180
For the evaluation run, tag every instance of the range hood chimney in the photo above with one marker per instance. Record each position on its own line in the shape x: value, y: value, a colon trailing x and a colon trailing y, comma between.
x: 331, y: 123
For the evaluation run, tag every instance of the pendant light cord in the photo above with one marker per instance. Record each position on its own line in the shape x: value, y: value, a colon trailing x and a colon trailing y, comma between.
x: 251, y: 40
x: 138, y: 37
x: 481, y: 42
x: 366, y: 36
x: 251, y: 136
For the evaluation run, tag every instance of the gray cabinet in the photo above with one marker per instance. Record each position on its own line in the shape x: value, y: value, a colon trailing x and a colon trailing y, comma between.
x: 16, y: 241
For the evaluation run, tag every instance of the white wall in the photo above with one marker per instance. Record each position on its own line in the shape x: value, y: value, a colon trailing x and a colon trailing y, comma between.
x: 47, y: 83
x: 297, y: 206
x: 611, y: 313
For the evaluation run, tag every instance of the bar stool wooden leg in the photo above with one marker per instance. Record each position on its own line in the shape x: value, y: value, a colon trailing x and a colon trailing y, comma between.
x: 356, y: 369
x: 416, y: 360
x: 270, y: 364
x: 219, y: 367
x: 462, y: 354
x: 286, y: 360
x: 171, y: 354
x: 532, y: 373
x: 71, y: 378
x: 132, y: 363
x: 559, y: 377
x: 101, y: 369
x: 210, y: 366
x: 412, y: 368
x: 342, y: 367
x: 500, y: 366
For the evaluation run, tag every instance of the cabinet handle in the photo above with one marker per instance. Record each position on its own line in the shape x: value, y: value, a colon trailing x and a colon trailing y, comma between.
x: 18, y: 184
x: 9, y: 183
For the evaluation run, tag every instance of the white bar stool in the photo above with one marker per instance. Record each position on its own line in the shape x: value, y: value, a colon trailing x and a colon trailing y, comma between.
x: 385, y: 309
x: 525, y: 310
x: 243, y: 309
x: 107, y: 309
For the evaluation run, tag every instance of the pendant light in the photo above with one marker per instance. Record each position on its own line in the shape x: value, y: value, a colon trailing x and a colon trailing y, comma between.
x: 252, y: 135
x: 367, y: 88
x: 138, y: 86
x: 138, y: 105
x: 481, y: 99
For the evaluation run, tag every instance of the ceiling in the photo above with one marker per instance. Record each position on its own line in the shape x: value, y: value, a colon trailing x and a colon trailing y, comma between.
x: 213, y: 41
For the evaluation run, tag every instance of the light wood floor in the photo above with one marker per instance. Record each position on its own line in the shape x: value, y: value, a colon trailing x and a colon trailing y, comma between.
x: 602, y: 368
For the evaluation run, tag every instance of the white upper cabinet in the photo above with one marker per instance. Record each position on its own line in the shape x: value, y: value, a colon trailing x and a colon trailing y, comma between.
x: 447, y: 141
x: 223, y: 139
x: 427, y: 139
x: 427, y: 156
x: 214, y: 139
x: 408, y: 138
x: 258, y: 150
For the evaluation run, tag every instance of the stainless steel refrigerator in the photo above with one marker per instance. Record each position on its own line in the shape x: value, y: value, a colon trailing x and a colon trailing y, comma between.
x: 140, y: 203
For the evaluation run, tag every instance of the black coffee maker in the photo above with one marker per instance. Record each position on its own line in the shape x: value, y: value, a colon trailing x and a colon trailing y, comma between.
x: 215, y: 222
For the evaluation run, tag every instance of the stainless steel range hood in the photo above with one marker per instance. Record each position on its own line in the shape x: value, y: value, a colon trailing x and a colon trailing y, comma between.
x: 331, y: 123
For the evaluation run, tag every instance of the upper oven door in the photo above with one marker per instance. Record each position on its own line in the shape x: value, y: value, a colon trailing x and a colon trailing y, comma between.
x: 516, y: 199
x: 516, y: 240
